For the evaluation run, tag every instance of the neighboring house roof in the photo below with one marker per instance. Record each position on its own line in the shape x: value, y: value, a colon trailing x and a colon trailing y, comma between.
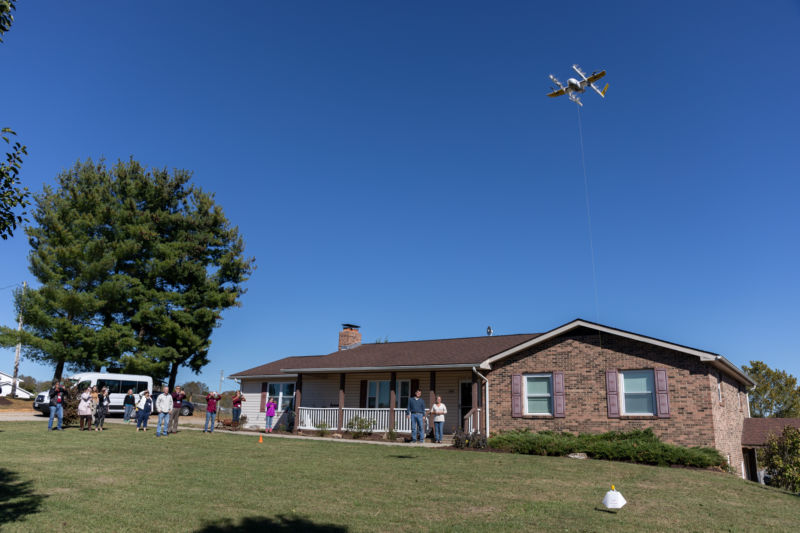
x: 756, y: 431
x: 715, y: 360
x: 458, y: 353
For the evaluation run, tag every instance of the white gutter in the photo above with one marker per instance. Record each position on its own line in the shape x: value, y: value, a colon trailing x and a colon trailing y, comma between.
x: 486, y: 405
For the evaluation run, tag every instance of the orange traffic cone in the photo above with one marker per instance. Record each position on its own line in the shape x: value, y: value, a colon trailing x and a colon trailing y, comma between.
x: 260, y: 439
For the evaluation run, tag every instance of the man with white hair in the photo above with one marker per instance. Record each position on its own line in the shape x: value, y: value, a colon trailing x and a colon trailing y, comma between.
x: 211, y: 411
x: 164, y: 407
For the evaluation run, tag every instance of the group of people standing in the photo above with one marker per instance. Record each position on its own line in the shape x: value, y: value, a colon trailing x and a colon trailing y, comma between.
x: 168, y: 406
x: 416, y: 412
x: 93, y: 403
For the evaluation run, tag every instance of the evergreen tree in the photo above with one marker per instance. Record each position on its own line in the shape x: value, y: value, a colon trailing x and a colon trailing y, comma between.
x: 71, y: 318
x: 135, y: 267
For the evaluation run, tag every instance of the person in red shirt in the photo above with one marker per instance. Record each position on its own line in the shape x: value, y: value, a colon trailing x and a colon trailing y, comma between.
x: 211, y: 411
x: 238, y: 398
x: 177, y: 403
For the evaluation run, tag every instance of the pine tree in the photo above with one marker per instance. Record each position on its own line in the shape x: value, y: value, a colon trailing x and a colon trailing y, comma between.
x: 136, y: 267
x: 70, y: 318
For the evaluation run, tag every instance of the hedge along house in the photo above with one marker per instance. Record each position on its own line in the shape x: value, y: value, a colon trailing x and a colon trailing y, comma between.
x: 579, y: 377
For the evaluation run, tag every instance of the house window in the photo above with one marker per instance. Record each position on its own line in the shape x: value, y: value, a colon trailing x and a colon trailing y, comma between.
x: 539, y: 394
x: 637, y: 392
x: 283, y: 394
x: 378, y: 394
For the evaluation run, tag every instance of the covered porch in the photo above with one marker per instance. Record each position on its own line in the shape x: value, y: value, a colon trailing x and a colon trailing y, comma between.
x: 332, y: 400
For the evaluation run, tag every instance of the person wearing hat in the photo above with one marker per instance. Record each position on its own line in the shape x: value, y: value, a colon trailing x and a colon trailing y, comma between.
x: 145, y: 407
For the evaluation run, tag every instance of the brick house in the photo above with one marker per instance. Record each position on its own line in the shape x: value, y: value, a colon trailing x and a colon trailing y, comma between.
x: 578, y: 377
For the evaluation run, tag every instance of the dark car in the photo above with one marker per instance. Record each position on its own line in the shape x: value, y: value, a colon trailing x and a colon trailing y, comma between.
x: 187, y: 408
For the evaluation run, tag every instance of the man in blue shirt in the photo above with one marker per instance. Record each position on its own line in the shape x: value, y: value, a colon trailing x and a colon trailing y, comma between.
x: 416, y: 411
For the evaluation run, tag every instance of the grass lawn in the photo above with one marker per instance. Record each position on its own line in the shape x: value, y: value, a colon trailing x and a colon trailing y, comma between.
x: 120, y: 480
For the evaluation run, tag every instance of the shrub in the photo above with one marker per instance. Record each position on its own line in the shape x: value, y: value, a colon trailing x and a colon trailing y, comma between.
x: 359, y: 427
x: 391, y: 435
x: 637, y: 446
x: 323, y: 428
x: 462, y: 439
x: 782, y: 459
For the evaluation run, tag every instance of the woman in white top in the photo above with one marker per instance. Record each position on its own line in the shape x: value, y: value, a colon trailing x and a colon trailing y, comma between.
x: 439, y: 410
x: 85, y: 409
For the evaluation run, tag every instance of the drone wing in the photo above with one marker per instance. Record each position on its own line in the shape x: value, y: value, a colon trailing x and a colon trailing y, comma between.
x: 561, y: 89
x: 594, y: 77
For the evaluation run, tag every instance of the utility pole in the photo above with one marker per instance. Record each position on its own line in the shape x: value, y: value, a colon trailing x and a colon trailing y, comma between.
x: 19, y: 347
x: 219, y: 390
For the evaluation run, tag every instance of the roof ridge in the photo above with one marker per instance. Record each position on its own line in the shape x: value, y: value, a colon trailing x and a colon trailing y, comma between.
x: 445, y: 339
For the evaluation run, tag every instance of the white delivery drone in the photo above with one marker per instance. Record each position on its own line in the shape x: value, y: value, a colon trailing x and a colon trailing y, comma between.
x: 578, y: 86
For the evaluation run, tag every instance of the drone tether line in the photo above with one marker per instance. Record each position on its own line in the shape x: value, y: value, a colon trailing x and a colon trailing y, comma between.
x: 594, y: 269
x: 588, y: 216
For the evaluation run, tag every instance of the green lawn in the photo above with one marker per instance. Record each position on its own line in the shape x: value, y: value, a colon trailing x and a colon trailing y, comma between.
x: 120, y: 480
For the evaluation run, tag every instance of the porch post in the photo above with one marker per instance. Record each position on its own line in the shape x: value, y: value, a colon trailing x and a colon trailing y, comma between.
x: 341, y: 400
x: 298, y: 397
x: 432, y: 397
x: 392, y: 398
x: 476, y: 420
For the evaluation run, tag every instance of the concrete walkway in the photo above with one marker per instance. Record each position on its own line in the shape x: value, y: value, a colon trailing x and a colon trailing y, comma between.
x: 23, y: 416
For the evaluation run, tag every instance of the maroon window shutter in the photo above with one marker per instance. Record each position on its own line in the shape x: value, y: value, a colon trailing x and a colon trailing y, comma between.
x: 362, y: 402
x: 662, y: 393
x: 516, y: 395
x: 612, y: 392
x: 558, y: 394
x: 263, y: 397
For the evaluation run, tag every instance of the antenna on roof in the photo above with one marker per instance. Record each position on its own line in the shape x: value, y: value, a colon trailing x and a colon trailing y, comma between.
x: 489, y: 330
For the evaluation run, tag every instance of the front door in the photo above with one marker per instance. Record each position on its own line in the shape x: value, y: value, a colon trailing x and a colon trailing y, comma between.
x: 464, y: 401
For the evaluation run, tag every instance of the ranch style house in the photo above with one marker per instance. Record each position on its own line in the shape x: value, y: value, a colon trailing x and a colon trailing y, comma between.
x: 580, y: 377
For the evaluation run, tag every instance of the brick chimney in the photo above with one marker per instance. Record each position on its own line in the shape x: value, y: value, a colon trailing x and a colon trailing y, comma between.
x: 349, y: 337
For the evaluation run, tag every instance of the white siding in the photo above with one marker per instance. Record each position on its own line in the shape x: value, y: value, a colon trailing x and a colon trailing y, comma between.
x: 320, y: 390
x: 251, y: 407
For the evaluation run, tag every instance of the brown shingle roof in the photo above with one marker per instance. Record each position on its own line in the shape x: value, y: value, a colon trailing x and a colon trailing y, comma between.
x: 274, y: 368
x: 756, y: 431
x: 463, y: 351
x: 470, y: 350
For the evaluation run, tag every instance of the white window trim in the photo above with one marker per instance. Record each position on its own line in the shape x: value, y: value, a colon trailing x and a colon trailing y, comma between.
x: 622, y: 406
x: 525, y: 382
x: 397, y: 391
x: 280, y: 397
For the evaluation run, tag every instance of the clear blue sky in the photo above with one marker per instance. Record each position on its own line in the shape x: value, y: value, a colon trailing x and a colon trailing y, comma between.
x: 397, y: 165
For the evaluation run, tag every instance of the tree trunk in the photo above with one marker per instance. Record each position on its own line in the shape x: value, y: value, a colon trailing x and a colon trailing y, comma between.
x: 59, y: 371
x: 173, y: 374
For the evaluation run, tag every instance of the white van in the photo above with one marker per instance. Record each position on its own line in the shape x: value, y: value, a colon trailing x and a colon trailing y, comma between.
x: 118, y: 386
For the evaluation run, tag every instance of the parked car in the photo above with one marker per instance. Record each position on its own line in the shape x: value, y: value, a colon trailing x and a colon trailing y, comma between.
x: 187, y: 408
x: 118, y: 385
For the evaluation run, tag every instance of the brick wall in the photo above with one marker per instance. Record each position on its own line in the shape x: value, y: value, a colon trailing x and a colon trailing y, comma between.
x: 729, y: 414
x: 584, y: 356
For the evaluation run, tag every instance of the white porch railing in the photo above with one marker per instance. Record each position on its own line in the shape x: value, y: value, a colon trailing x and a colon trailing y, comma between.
x: 311, y: 417
x: 468, y: 421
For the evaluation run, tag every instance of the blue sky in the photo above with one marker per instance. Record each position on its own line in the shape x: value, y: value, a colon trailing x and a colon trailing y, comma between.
x: 397, y: 165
